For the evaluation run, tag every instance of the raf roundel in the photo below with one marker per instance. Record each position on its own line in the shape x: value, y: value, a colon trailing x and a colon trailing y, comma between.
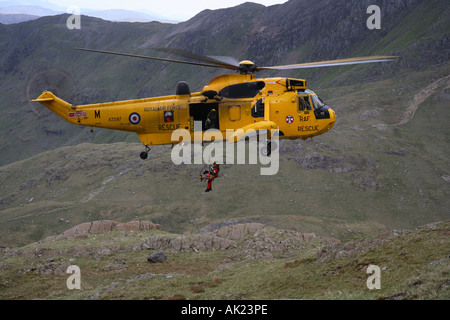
x: 134, y: 118
x: 289, y: 119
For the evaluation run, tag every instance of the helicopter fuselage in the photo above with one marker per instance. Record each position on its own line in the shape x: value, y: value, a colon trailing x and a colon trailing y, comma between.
x: 229, y: 102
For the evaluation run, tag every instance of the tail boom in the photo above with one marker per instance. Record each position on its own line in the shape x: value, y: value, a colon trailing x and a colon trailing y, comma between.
x: 103, y: 115
x: 57, y: 105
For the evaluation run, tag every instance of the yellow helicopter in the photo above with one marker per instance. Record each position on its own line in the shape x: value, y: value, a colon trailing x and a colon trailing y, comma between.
x: 228, y: 102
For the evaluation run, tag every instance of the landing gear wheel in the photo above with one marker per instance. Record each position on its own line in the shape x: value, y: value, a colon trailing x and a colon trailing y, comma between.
x: 266, y: 149
x: 144, y: 154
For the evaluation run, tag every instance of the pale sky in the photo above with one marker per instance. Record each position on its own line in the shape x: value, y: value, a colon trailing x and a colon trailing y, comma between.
x: 172, y: 9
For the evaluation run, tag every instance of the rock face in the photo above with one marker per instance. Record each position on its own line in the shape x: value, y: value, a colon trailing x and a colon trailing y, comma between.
x: 243, y: 241
x: 238, y: 231
x: 186, y: 243
x: 252, y: 241
x: 102, y: 226
x: 356, y: 247
x: 137, y: 226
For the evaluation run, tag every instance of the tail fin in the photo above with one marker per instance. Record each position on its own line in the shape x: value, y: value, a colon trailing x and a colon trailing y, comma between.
x: 57, y: 105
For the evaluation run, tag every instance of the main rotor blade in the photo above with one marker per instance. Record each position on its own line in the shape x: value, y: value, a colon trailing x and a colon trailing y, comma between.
x: 158, y: 59
x: 227, y: 62
x: 226, y: 59
x: 330, y: 63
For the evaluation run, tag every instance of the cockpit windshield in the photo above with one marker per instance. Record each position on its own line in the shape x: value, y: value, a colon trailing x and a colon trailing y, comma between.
x: 316, y: 101
x: 321, y: 110
x: 308, y: 99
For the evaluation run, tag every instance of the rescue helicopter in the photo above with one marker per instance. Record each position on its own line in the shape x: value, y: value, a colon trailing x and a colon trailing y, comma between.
x: 235, y: 101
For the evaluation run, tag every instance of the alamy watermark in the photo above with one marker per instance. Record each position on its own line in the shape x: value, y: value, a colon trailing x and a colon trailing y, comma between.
x: 74, y: 281
x: 74, y: 20
x: 374, y: 281
x: 261, y: 150
x: 374, y: 21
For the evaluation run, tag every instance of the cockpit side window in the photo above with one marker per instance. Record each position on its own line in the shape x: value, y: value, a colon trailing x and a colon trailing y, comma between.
x: 303, y: 103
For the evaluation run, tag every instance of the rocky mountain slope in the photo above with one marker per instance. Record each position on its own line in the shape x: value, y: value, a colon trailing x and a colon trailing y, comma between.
x: 233, y: 261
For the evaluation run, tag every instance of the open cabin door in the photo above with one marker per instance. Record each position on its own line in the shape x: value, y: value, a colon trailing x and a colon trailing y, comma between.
x: 207, y: 113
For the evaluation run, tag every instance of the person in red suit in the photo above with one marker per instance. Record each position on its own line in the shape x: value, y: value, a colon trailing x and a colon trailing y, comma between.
x: 211, y: 175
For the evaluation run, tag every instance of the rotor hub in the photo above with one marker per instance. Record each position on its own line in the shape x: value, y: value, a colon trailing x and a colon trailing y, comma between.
x: 247, y: 66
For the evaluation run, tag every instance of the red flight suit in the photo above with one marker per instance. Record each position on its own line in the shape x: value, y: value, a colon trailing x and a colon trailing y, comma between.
x: 211, y: 175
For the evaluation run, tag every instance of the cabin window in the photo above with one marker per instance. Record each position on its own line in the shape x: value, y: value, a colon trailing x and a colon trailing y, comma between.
x: 242, y: 90
x: 258, y: 109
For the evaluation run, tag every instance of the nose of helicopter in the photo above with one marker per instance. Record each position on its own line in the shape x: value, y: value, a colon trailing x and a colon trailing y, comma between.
x: 332, y: 115
x: 332, y: 118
